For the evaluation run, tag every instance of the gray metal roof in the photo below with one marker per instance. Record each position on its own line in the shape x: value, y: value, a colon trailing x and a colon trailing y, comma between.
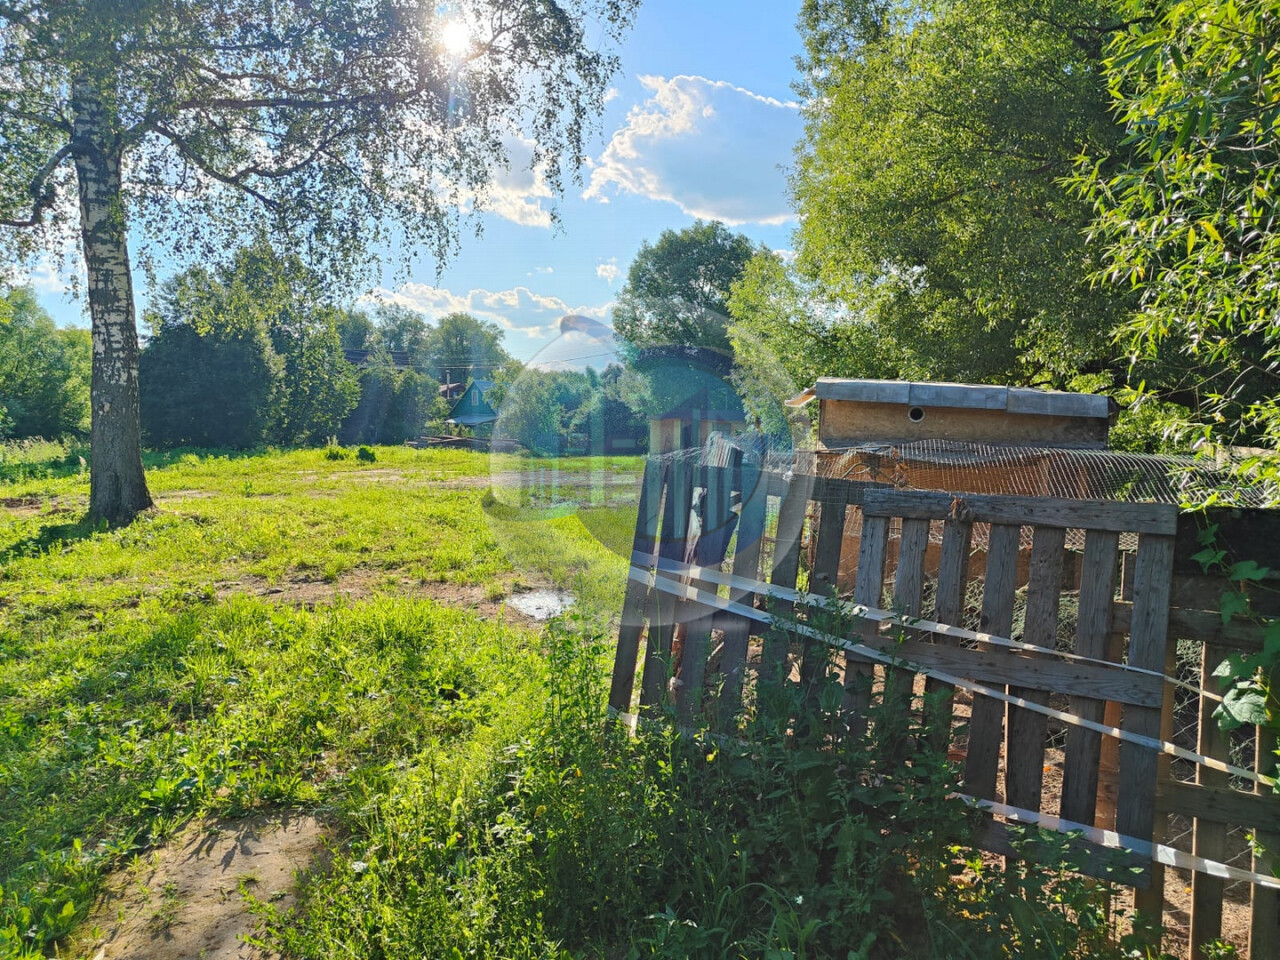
x: 472, y: 419
x: 1025, y: 400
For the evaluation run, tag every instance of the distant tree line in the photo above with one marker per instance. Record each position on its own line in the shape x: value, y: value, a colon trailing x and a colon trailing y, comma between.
x: 253, y: 352
x: 44, y: 371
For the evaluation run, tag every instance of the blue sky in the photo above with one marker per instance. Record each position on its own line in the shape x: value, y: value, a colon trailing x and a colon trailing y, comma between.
x: 700, y: 122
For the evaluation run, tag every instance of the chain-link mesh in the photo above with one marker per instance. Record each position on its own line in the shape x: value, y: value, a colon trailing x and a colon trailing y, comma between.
x: 1017, y: 470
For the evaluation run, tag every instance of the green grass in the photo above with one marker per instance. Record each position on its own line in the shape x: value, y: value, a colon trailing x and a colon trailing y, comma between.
x: 204, y: 660
x: 145, y: 678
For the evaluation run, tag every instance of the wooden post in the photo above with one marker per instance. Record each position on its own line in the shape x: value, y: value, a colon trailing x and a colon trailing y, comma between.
x: 1140, y: 767
x: 1210, y: 836
x: 953, y: 573
x: 1097, y: 593
x: 986, y: 725
x: 636, y: 599
x: 1024, y: 750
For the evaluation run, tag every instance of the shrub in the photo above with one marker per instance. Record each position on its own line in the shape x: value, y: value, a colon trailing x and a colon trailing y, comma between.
x: 336, y: 453
x: 587, y: 841
x: 366, y: 455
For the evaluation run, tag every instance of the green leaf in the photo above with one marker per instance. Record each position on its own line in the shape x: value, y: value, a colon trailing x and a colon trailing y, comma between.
x: 1232, y: 603
x: 1235, y: 666
x: 1247, y: 570
x: 1245, y: 704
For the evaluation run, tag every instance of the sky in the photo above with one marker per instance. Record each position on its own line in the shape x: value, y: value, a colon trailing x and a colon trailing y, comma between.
x: 701, y: 123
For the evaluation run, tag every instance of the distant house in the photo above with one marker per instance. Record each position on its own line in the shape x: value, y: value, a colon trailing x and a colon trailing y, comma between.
x: 471, y: 409
x: 689, y: 423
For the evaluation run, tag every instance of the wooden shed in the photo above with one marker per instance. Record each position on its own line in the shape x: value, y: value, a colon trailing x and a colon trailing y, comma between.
x: 957, y: 438
x: 852, y: 412
x: 688, y: 424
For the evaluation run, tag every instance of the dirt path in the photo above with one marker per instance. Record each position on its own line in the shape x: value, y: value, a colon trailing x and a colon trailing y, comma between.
x: 187, y: 900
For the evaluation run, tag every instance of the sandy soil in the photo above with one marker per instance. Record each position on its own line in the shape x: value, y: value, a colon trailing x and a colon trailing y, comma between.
x: 187, y: 900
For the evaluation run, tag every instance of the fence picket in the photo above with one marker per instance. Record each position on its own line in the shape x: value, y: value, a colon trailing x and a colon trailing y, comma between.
x: 746, y: 564
x: 635, y: 601
x: 1024, y: 751
x: 859, y: 675
x: 953, y: 573
x: 986, y: 724
x: 1083, y: 748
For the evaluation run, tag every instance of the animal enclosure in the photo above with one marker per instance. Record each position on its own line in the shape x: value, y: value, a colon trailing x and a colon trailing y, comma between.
x: 1063, y: 647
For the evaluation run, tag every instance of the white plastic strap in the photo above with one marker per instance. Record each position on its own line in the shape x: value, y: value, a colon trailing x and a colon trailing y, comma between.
x: 791, y: 595
x: 1169, y: 856
x: 689, y: 592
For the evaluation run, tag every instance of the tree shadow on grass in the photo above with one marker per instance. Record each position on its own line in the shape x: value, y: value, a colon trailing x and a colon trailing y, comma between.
x: 49, y: 536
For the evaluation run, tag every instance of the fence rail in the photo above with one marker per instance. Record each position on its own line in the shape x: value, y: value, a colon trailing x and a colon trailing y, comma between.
x: 1061, y: 647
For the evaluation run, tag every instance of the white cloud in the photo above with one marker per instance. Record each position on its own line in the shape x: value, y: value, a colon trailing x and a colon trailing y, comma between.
x: 530, y: 318
x: 541, y: 271
x: 607, y: 270
x: 715, y: 150
x: 612, y: 94
x: 43, y: 276
x: 516, y: 193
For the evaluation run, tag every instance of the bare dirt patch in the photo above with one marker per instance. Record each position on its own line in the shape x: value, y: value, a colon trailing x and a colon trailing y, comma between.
x: 361, y: 583
x: 188, y: 899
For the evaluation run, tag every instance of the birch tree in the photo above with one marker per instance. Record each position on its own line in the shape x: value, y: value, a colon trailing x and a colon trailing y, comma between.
x: 344, y: 127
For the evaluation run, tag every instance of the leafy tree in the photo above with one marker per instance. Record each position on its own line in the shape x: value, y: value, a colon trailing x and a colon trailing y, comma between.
x: 460, y: 343
x: 1187, y: 211
x: 400, y: 328
x: 786, y: 334
x: 208, y: 384
x: 319, y: 388
x: 253, y: 344
x: 44, y: 371
x: 394, y: 403
x: 531, y: 413
x: 340, y: 125
x: 356, y: 330
x: 929, y: 182
x: 677, y: 290
x: 604, y: 414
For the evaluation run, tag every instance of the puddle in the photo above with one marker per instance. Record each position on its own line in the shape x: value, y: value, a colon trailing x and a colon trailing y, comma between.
x: 541, y: 604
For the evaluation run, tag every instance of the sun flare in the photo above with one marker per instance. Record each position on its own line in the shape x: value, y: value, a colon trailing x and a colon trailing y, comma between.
x: 455, y: 38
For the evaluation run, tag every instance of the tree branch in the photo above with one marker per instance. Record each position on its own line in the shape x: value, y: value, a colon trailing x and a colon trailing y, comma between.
x: 42, y: 192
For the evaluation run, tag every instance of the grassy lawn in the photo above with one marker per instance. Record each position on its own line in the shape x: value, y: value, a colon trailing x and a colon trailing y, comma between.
x: 291, y: 632
x: 285, y: 629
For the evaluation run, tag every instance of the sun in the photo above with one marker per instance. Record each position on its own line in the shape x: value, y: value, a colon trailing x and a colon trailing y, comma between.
x: 455, y: 38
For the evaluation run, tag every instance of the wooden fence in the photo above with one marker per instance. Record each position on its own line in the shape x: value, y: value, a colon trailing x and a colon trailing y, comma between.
x: 1062, y: 649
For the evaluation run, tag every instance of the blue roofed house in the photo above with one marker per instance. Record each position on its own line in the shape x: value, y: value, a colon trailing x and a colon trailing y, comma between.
x: 472, y: 410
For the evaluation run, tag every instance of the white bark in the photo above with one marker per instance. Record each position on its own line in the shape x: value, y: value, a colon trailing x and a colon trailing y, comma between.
x: 118, y: 488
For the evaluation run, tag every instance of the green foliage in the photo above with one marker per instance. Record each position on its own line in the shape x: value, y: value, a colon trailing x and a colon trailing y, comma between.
x: 44, y: 372
x: 394, y: 404
x: 1249, y: 680
x: 585, y: 841
x: 459, y: 343
x: 929, y: 193
x: 786, y: 334
x: 530, y: 413
x: 366, y: 455
x: 1186, y: 206
x: 677, y: 290
x: 243, y: 354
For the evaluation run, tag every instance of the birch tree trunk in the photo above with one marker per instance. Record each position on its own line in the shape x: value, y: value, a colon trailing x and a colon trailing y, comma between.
x: 117, y: 484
